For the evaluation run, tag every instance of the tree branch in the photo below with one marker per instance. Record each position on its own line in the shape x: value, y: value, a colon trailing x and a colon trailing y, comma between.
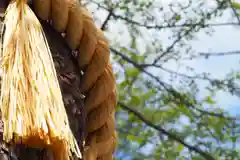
x: 174, y: 25
x: 213, y: 54
x: 170, y: 48
x: 172, y: 91
x: 234, y: 12
x: 116, y: 16
x: 104, y: 25
x: 206, y: 155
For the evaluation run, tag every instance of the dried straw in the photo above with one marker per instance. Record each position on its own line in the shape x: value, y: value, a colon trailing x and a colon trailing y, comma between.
x: 31, y: 101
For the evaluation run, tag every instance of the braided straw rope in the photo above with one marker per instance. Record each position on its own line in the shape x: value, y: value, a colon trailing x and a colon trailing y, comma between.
x: 98, y: 83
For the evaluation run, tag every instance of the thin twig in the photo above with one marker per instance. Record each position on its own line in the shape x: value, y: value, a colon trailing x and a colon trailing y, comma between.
x: 207, y: 55
x: 234, y: 12
x: 170, y: 90
x: 116, y: 16
x: 172, y: 136
x: 110, y: 13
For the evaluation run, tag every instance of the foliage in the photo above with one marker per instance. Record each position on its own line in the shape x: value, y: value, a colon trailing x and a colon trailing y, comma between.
x: 160, y: 114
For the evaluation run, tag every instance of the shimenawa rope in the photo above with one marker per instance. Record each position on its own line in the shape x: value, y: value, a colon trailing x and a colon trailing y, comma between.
x: 98, y: 84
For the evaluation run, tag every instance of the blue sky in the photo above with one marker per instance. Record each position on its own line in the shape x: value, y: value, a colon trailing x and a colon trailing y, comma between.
x: 223, y: 39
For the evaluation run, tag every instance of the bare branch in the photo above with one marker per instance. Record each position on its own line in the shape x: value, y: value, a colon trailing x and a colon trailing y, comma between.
x: 234, y: 12
x: 207, y: 55
x: 116, y: 16
x: 174, y: 25
x: 168, y: 88
x: 170, y: 48
x: 104, y: 25
x: 172, y: 136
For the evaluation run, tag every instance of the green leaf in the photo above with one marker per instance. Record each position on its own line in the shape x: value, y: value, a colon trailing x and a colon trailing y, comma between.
x: 236, y: 5
x: 238, y: 76
x: 163, y: 102
x: 132, y: 138
x: 234, y: 138
x: 180, y: 148
x: 209, y: 100
x: 132, y: 72
x: 136, y: 100
x: 178, y: 17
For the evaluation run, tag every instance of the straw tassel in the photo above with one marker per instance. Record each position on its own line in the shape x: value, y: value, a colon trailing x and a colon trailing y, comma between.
x: 31, y: 102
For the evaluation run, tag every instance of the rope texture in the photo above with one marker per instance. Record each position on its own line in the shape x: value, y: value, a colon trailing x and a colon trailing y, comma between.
x: 98, y: 82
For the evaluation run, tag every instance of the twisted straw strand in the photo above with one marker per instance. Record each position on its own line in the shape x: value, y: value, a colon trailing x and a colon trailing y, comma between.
x: 69, y: 17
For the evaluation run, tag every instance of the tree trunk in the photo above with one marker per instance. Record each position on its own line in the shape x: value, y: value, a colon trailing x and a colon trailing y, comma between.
x: 69, y: 77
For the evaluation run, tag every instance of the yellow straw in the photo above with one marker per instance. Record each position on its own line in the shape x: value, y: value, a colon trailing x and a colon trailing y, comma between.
x: 31, y: 101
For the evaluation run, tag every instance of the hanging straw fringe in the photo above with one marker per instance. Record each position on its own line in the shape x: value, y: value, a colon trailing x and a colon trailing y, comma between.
x: 31, y: 101
x: 94, y: 58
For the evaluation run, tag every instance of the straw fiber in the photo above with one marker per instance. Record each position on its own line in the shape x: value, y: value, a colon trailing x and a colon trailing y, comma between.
x: 98, y: 82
